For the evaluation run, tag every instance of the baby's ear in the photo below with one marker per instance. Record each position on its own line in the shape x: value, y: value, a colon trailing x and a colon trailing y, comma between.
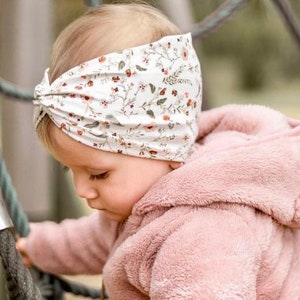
x: 175, y: 164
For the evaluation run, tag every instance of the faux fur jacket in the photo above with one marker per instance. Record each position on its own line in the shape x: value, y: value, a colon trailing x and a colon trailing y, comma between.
x: 225, y: 225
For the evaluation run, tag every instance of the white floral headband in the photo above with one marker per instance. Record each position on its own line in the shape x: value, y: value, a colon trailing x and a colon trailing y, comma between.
x: 143, y: 101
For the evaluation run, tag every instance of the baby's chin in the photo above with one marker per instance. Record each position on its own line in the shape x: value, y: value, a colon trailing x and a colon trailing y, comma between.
x: 115, y: 216
x: 112, y: 216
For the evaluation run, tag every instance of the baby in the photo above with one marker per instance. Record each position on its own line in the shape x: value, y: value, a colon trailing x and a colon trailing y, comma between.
x: 187, y: 206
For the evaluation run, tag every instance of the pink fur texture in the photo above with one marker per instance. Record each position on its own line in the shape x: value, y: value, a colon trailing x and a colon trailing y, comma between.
x: 225, y: 225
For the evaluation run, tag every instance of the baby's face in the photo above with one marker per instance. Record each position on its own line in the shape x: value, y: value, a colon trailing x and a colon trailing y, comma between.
x: 108, y: 181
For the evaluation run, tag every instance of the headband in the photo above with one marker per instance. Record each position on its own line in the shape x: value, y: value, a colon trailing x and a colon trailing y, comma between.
x: 143, y: 101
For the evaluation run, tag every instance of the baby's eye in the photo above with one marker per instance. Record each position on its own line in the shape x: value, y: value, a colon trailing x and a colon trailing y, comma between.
x: 99, y: 176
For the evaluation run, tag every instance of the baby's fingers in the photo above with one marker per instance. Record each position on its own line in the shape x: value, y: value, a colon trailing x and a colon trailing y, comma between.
x: 20, y: 245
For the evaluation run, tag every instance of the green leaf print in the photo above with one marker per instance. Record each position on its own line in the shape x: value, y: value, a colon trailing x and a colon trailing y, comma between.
x: 140, y: 68
x: 121, y: 65
x: 152, y: 87
x: 92, y: 125
x: 161, y: 101
x: 150, y: 113
x: 113, y: 120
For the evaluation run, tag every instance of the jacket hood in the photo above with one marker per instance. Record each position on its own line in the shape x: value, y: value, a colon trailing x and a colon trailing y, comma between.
x: 244, y: 154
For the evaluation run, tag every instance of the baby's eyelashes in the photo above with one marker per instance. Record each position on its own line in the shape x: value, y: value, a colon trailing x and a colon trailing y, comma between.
x: 103, y: 175
x: 97, y: 176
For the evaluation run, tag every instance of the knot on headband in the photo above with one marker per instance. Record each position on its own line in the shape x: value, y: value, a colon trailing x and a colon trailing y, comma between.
x: 143, y: 101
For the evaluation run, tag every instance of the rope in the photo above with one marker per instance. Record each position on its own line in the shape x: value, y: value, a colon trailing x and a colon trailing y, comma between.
x: 217, y: 18
x: 78, y: 289
x: 289, y: 17
x: 92, y: 3
x: 51, y: 286
x: 18, y: 276
x: 11, y: 90
x: 14, y: 207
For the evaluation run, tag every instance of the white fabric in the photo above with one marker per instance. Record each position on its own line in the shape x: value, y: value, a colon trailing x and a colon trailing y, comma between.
x: 143, y: 101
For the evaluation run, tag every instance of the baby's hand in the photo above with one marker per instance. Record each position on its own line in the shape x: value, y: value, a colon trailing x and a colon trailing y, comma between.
x: 20, y: 245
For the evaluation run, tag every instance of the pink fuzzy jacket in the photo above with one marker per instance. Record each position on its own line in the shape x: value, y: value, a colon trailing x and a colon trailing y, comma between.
x: 223, y: 226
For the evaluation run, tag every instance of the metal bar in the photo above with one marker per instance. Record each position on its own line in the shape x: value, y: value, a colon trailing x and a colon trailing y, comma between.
x: 5, y: 220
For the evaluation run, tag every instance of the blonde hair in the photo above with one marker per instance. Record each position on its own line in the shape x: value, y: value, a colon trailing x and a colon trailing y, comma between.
x: 109, y: 28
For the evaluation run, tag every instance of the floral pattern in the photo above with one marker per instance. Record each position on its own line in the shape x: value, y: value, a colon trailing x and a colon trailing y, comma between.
x: 143, y: 101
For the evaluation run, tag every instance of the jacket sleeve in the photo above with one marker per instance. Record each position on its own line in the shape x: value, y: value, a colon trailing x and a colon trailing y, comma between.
x: 74, y: 246
x: 214, y: 255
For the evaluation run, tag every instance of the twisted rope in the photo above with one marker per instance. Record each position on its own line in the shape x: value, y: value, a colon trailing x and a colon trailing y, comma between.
x: 217, y: 18
x: 20, y: 282
x: 92, y: 3
x: 289, y: 17
x: 14, y: 207
x: 11, y: 90
x: 51, y: 286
